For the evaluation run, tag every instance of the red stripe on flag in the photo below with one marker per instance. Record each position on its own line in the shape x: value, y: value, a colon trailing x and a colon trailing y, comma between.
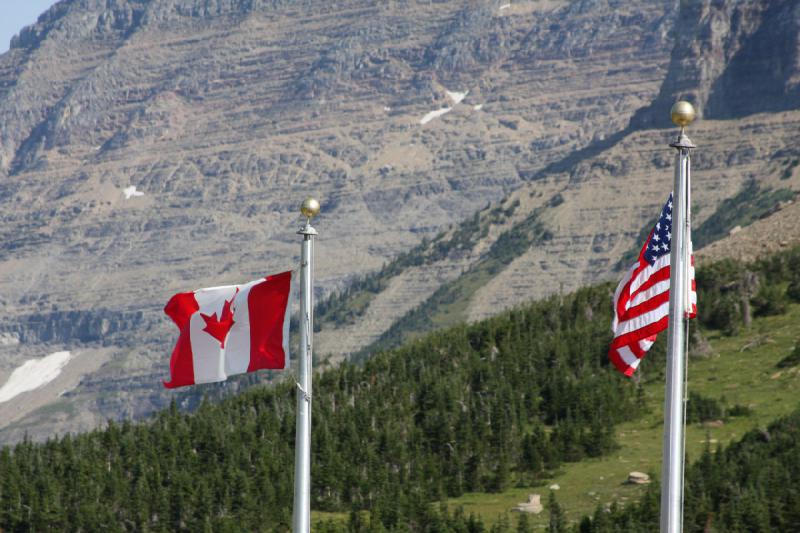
x: 267, y: 304
x: 658, y: 276
x: 620, y: 365
x: 646, y: 306
x: 624, y: 292
x: 641, y: 333
x: 180, y: 309
x: 636, y: 349
x: 642, y: 260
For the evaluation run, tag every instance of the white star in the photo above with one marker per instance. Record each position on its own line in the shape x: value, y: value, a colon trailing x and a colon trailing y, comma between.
x: 669, y: 235
x: 669, y: 216
x: 656, y: 237
x: 658, y: 226
x: 664, y: 247
x: 669, y: 204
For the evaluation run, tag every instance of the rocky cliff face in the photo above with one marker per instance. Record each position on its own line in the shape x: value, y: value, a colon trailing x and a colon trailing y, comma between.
x: 63, y: 327
x: 731, y: 59
x: 150, y: 147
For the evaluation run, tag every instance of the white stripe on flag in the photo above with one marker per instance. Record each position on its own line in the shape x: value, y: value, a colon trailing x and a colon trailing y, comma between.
x: 655, y: 290
x: 628, y: 356
x: 643, y: 320
x: 648, y: 271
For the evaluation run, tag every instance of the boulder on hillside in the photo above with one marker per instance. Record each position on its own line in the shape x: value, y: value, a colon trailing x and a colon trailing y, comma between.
x: 533, y: 505
x: 638, y: 478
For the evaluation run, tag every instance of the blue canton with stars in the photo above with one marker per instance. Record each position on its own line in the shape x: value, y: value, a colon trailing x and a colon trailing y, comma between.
x: 660, y: 239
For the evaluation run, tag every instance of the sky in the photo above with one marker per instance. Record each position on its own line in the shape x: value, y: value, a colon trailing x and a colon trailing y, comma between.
x: 16, y: 14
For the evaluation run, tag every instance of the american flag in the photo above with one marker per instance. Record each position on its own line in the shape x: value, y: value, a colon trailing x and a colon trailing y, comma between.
x: 641, y: 301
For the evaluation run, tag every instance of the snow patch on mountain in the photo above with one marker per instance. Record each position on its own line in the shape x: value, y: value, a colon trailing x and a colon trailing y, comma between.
x: 433, y: 114
x: 34, y: 373
x: 456, y: 96
x: 131, y: 191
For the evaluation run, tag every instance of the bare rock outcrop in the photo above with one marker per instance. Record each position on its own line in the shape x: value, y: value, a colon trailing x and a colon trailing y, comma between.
x: 638, y: 478
x: 731, y: 59
x: 533, y: 505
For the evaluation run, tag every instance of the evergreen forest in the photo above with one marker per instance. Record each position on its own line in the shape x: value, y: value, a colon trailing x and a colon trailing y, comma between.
x: 473, y: 408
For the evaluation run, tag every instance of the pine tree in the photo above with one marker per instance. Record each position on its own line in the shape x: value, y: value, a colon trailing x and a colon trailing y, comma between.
x: 524, y: 524
x: 558, y: 520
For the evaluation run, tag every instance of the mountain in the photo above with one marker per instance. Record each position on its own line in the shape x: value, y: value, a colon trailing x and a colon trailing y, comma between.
x: 224, y: 115
x: 593, y: 208
x: 152, y: 147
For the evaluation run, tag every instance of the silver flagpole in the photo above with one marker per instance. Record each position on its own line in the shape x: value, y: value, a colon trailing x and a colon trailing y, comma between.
x: 301, y: 519
x: 672, y: 468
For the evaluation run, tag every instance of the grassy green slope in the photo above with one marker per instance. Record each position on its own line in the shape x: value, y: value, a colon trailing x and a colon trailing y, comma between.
x: 741, y: 368
x: 448, y: 305
x: 747, y: 206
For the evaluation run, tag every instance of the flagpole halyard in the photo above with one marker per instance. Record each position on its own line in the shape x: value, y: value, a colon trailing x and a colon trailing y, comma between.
x: 682, y: 114
x: 301, y: 517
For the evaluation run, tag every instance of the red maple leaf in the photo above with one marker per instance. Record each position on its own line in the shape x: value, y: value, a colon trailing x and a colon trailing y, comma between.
x: 219, y: 327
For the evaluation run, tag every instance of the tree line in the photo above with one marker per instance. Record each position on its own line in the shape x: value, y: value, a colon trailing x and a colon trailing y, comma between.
x: 476, y: 407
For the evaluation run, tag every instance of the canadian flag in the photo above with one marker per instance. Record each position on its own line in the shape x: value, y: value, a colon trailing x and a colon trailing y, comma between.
x: 230, y: 330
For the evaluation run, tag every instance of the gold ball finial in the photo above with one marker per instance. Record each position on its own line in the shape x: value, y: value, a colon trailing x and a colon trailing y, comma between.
x: 682, y: 113
x: 310, y: 207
